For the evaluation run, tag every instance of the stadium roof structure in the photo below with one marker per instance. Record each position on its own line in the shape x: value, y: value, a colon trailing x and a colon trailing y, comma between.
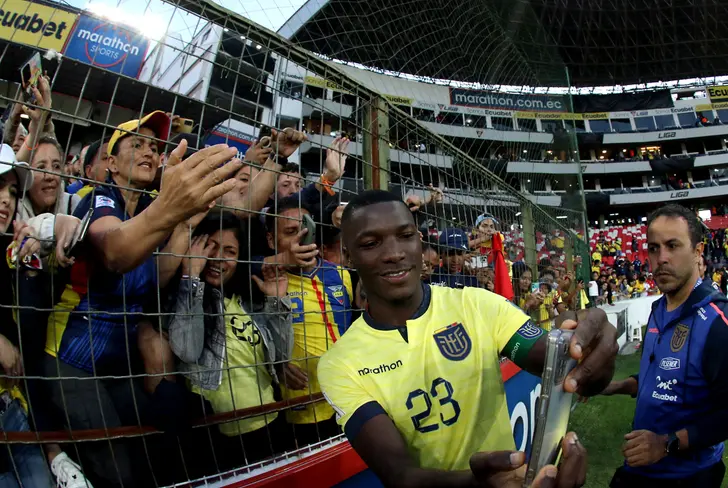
x: 521, y: 42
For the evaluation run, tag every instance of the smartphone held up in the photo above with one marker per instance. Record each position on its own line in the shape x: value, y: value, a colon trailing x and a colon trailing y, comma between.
x: 554, y: 406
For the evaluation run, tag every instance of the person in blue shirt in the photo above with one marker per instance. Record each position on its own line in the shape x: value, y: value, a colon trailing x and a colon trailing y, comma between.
x: 681, y: 416
x: 454, y: 249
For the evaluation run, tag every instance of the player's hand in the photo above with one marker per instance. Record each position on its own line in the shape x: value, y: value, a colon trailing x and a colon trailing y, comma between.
x: 643, y: 448
x: 594, y: 345
x: 506, y: 469
x: 294, y: 377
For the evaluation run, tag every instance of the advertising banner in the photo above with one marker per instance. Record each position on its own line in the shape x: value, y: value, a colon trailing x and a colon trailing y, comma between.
x: 107, y: 45
x: 34, y: 24
x: 717, y: 93
x: 234, y: 134
x: 507, y: 101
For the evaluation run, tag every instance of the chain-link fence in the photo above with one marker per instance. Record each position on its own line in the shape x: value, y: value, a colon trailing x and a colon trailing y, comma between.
x: 153, y: 339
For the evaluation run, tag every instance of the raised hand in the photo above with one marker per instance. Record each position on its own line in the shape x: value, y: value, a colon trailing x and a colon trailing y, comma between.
x: 286, y: 142
x: 258, y: 154
x: 43, y: 101
x: 197, y: 255
x: 191, y: 186
x: 274, y: 282
x: 336, y: 155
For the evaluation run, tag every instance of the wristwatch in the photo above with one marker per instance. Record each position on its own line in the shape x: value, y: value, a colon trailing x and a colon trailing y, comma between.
x: 673, y: 444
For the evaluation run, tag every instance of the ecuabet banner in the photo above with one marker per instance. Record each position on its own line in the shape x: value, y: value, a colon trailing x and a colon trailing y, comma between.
x: 34, y: 24
x: 107, y: 45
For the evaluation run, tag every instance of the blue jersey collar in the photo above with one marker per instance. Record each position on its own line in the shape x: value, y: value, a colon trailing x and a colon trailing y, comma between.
x: 424, y: 306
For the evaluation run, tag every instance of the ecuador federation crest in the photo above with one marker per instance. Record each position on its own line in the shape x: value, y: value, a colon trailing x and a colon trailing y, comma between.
x: 453, y: 341
x: 679, y: 337
x: 337, y: 291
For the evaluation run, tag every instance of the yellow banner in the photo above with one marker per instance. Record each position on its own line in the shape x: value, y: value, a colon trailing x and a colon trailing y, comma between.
x: 561, y: 115
x: 526, y: 115
x: 717, y: 92
x: 398, y: 100
x: 595, y: 115
x: 711, y: 106
x: 321, y: 83
x: 35, y: 25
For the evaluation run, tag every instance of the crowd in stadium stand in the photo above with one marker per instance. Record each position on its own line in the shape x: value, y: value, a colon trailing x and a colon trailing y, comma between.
x: 191, y: 295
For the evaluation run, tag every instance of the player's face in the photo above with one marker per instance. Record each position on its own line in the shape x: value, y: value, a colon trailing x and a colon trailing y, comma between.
x: 669, y: 247
x: 385, y: 251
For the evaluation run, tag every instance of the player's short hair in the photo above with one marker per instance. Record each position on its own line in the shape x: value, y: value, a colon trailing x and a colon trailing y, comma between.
x: 365, y: 199
x: 280, y: 206
x: 679, y: 212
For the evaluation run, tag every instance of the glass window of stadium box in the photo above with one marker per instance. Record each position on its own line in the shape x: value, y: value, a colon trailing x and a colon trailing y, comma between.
x: 315, y: 92
x: 448, y: 118
x: 665, y: 121
x: 478, y: 121
x: 502, y: 123
x: 645, y: 123
x: 424, y: 114
x: 527, y: 125
x: 621, y: 125
x: 723, y: 116
x: 600, y: 125
x: 551, y: 125
x: 292, y: 89
x: 577, y: 125
x: 344, y: 98
x: 687, y: 119
x: 713, y: 144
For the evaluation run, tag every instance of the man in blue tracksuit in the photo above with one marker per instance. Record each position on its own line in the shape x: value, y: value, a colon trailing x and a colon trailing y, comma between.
x: 681, y: 416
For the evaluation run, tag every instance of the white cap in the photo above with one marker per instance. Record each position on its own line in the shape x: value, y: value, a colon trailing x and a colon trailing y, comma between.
x: 9, y: 163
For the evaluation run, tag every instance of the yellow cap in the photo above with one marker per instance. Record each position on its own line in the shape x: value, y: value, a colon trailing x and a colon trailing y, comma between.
x: 157, y: 121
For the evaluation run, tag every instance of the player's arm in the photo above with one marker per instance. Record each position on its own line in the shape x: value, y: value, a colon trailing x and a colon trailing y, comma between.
x: 383, y: 449
x: 594, y: 344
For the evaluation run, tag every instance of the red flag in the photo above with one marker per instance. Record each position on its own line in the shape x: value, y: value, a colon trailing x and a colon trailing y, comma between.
x: 503, y: 285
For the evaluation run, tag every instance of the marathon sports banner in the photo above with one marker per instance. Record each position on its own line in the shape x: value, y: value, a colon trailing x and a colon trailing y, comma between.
x: 35, y: 24
x: 234, y: 134
x: 107, y: 45
x: 508, y: 101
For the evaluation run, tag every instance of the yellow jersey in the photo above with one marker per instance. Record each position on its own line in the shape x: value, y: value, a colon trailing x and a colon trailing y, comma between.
x: 321, y: 306
x: 438, y: 378
x: 246, y: 381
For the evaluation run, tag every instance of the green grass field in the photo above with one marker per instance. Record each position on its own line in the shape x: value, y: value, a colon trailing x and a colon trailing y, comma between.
x: 601, y: 424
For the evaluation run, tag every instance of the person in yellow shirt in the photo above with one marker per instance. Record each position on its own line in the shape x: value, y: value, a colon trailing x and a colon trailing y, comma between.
x: 228, y: 358
x: 416, y: 383
x: 321, y: 296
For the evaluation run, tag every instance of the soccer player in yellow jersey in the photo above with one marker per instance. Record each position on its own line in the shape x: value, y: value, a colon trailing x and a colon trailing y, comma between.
x: 416, y: 382
x: 321, y: 298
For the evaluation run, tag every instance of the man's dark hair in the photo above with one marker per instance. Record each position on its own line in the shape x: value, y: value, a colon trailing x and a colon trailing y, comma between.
x: 678, y: 211
x: 365, y: 199
x: 293, y: 168
x: 93, y: 150
x: 281, y: 206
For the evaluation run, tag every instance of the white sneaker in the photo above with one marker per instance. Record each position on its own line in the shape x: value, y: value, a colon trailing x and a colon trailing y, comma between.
x: 68, y: 474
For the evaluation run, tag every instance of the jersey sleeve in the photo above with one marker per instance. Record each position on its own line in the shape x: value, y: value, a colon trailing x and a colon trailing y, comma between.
x: 353, y: 406
x: 504, y: 317
x: 104, y: 204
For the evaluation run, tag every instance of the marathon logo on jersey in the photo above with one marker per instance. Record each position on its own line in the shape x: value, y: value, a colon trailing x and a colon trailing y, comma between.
x: 668, y: 364
x: 529, y: 330
x: 453, y: 341
x: 679, y: 337
x: 382, y: 368
x: 337, y: 292
x: 102, y: 201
